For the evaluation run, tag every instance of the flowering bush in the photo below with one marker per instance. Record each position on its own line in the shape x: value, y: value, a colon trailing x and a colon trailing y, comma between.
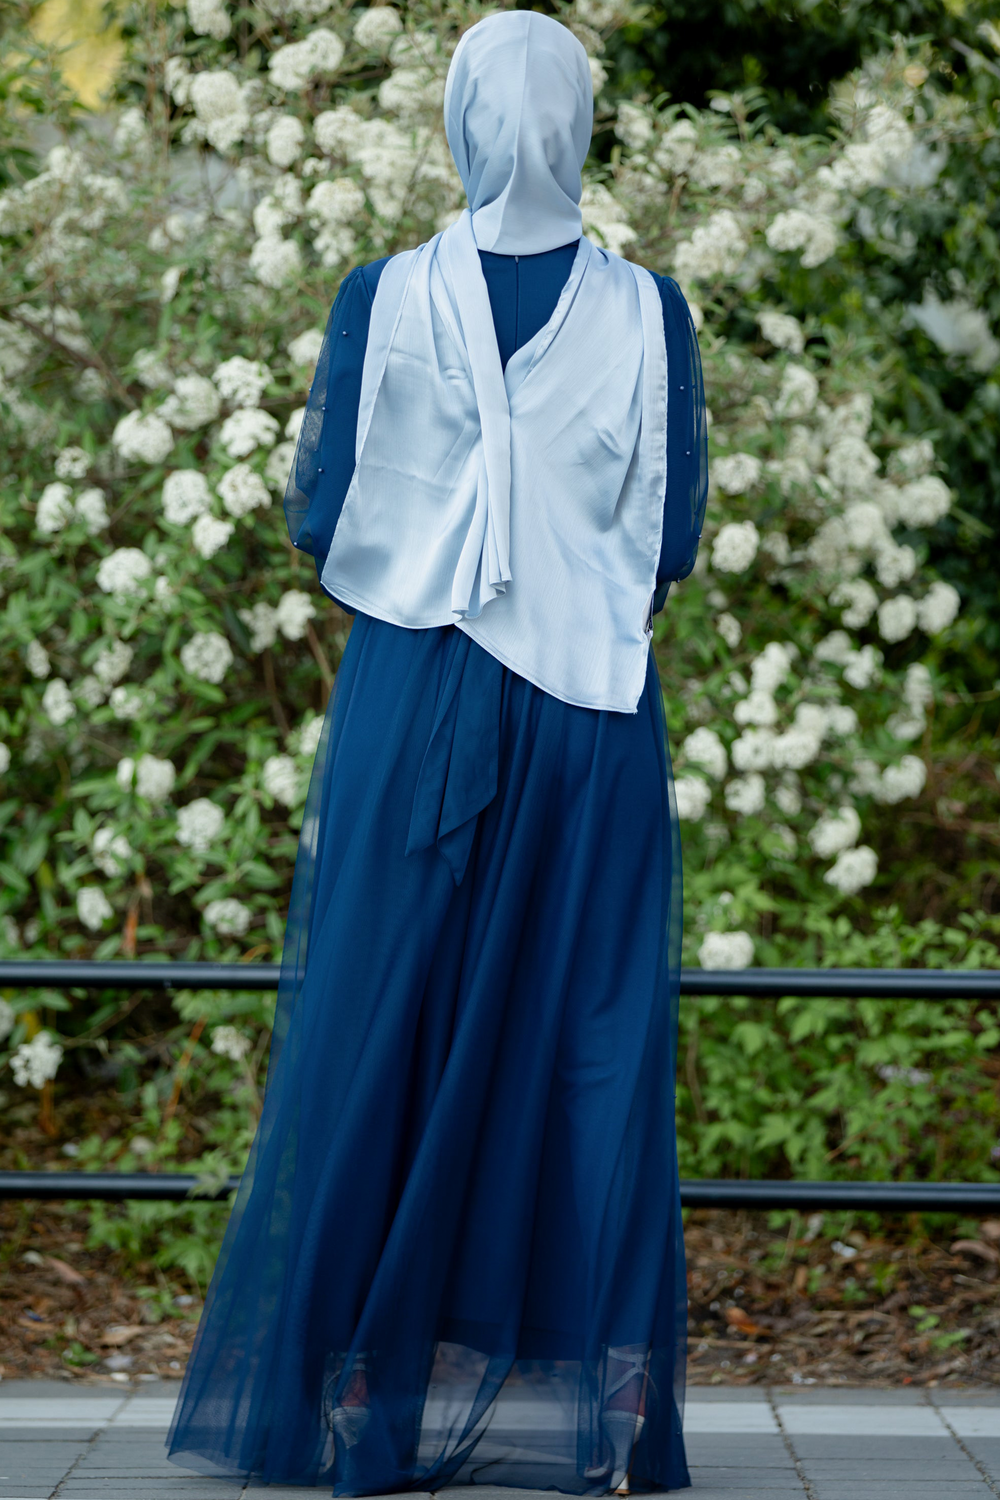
x: 168, y: 656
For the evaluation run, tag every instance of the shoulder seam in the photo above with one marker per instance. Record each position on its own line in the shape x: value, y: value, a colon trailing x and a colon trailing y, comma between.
x: 355, y: 278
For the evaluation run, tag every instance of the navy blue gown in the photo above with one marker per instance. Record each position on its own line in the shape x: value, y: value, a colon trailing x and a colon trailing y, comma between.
x: 456, y: 1254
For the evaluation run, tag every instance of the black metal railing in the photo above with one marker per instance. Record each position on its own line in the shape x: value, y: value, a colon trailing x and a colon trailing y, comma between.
x: 771, y: 984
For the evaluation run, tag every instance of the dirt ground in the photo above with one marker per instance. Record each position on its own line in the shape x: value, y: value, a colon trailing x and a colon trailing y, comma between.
x: 897, y: 1307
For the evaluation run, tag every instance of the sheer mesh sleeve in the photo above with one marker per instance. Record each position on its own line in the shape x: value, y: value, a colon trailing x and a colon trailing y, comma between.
x: 687, y: 444
x: 324, y: 453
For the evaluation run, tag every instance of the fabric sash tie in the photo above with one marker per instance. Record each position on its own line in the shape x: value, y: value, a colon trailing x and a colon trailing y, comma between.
x: 458, y: 774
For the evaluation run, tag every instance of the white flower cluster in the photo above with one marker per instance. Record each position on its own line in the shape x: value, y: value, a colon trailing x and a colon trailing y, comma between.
x: 310, y: 737
x: 284, y: 140
x: 207, y: 656
x: 290, y: 616
x: 144, y: 438
x: 221, y: 104
x: 736, y: 474
x: 93, y: 907
x: 209, y: 18
x: 376, y: 28
x: 36, y: 1062
x: 333, y: 206
x: 229, y: 1042
x: 209, y: 535
x: 275, y: 261
x: 782, y: 330
x: 389, y: 159
x: 242, y: 381
x: 185, y: 495
x: 58, y: 508
x: 604, y: 215
x: 228, y: 917
x: 193, y: 403
x: 72, y: 462
x: 693, y: 795
x: 247, y: 428
x: 918, y: 691
x: 716, y: 249
x: 152, y: 777
x: 111, y: 852
x: 958, y: 328
x: 726, y: 950
x: 894, y: 1073
x: 294, y: 65
x: 894, y: 784
x: 281, y: 780
x: 797, y: 395
x: 123, y: 572
x: 57, y: 702
x: 853, y: 870
x: 735, y: 546
x: 813, y: 233
x: 199, y: 825
x: 704, y: 748
x: 305, y: 349
x: 243, y: 490
x: 835, y: 832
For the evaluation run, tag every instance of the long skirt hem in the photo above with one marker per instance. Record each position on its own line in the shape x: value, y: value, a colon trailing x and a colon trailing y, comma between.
x: 456, y: 1254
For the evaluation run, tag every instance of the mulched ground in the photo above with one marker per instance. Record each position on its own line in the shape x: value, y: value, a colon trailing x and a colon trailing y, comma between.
x: 67, y: 1311
x: 895, y: 1307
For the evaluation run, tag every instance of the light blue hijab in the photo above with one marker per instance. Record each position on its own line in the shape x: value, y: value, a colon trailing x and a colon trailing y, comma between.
x: 519, y: 113
x: 523, y: 505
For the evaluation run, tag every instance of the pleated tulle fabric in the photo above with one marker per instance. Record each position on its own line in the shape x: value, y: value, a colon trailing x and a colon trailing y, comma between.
x: 461, y: 1212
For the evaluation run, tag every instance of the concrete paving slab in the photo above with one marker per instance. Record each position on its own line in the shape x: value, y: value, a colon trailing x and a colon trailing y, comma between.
x: 983, y: 1395
x: 974, y: 1421
x: 850, y: 1395
x: 14, y: 1484
x: 727, y: 1450
x: 731, y: 1416
x: 145, y: 1411
x: 131, y: 1440
x: 33, y: 1434
x: 491, y: 1492
x: 57, y: 1410
x: 178, y: 1484
x: 810, y: 1446
x: 47, y: 1478
x: 69, y: 1491
x: 63, y: 1389
x: 861, y: 1421
x: 987, y: 1451
x: 707, y: 1395
x: 959, y: 1469
x: 784, y: 1480
x: 30, y: 1448
x: 874, y: 1490
x: 296, y: 1492
x: 713, y: 1492
x: 130, y: 1475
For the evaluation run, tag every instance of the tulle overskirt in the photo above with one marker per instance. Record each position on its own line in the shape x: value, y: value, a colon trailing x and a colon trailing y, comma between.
x: 460, y: 1221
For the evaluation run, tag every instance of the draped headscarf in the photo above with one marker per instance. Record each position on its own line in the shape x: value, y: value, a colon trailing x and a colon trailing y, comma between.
x: 525, y: 504
x: 519, y: 112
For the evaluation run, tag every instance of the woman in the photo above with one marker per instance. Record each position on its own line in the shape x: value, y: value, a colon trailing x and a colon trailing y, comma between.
x: 456, y: 1254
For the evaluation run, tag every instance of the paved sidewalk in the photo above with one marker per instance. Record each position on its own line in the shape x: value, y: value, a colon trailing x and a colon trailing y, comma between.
x: 106, y: 1443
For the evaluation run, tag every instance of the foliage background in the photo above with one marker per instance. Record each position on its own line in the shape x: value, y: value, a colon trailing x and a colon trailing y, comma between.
x: 823, y: 183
